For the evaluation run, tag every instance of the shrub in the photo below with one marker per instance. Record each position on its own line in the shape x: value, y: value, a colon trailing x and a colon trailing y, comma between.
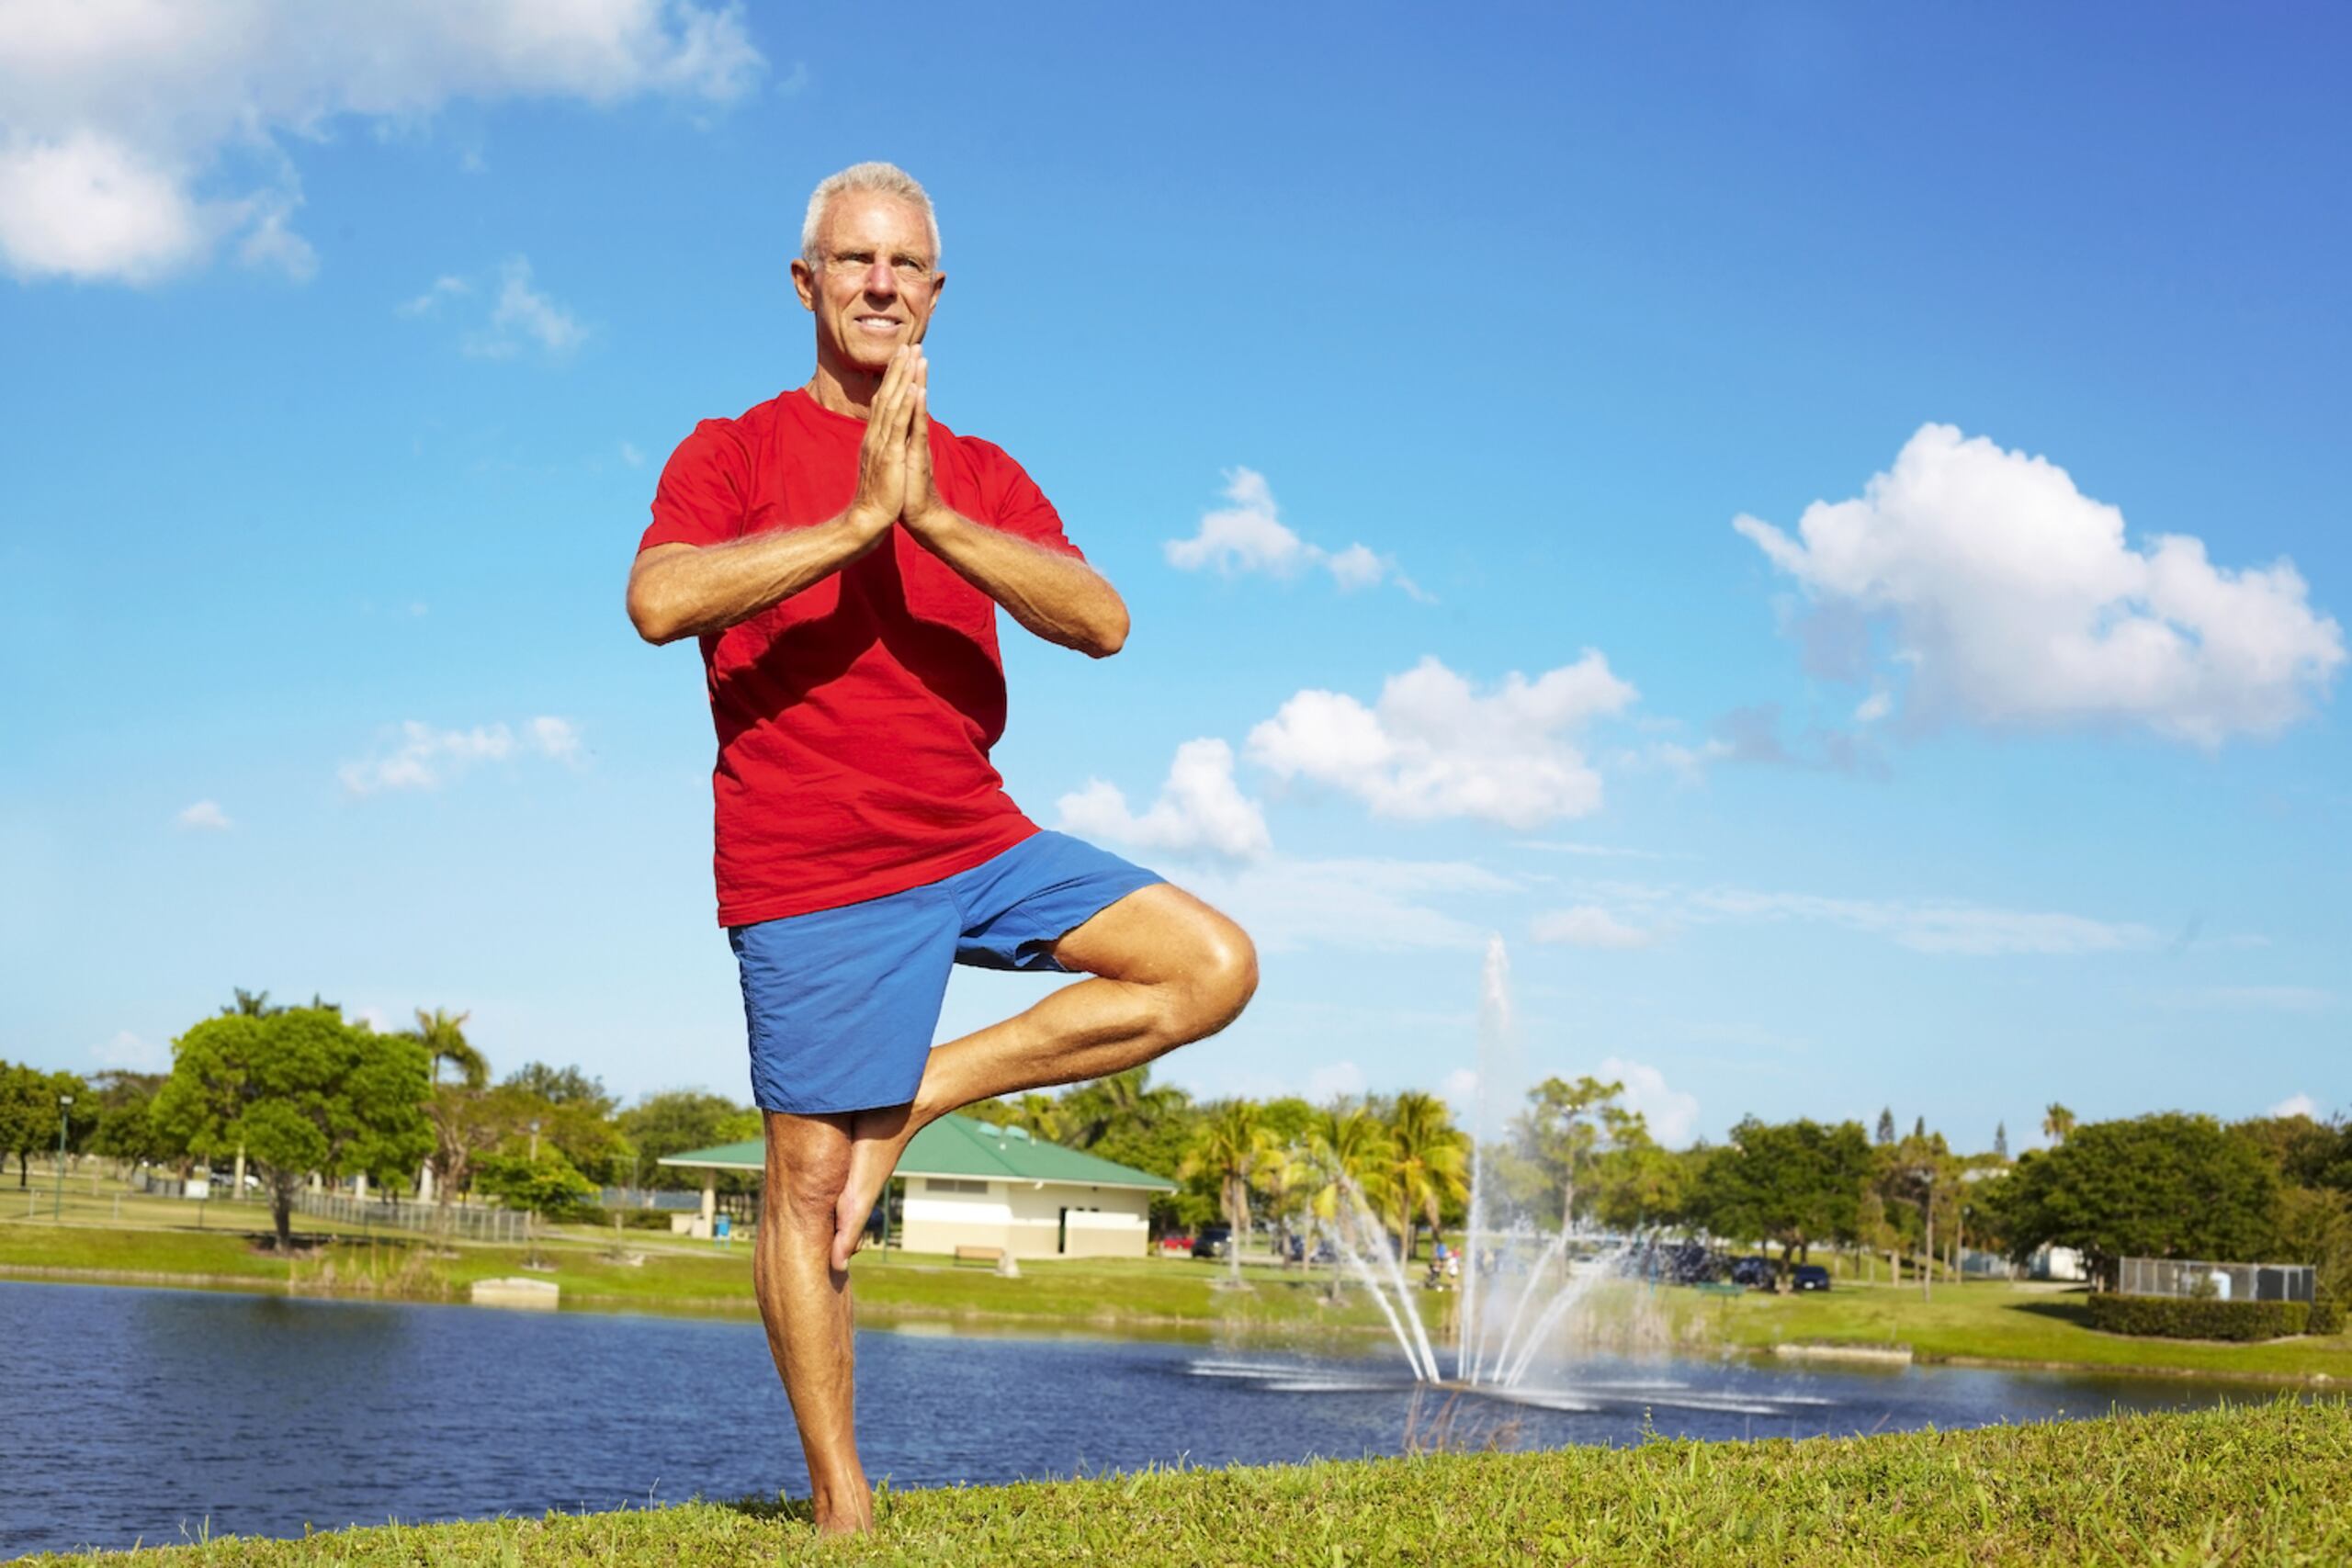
x: 631, y: 1219
x: 2185, y: 1317
x: 2326, y: 1318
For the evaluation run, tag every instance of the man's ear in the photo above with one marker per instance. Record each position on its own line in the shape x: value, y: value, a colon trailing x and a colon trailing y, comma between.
x: 804, y: 282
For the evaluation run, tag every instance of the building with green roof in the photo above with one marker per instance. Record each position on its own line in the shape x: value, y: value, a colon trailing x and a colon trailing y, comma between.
x: 966, y: 1183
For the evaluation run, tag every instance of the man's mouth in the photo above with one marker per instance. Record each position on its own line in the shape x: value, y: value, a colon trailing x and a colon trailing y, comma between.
x: 880, y: 323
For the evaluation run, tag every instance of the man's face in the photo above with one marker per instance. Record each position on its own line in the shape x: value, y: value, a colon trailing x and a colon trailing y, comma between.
x: 877, y: 280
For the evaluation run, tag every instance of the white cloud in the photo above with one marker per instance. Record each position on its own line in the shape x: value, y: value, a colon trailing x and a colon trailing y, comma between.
x: 2016, y: 602
x: 1934, y: 926
x: 631, y: 455
x: 1200, y: 808
x: 445, y: 286
x: 523, y: 317
x: 1333, y: 1080
x: 1588, y: 925
x: 1433, y: 745
x: 1249, y: 535
x: 1873, y: 708
x: 2295, y: 1105
x: 128, y: 1053
x: 1380, y: 906
x: 205, y: 815
x: 557, y: 737
x: 1672, y: 1113
x: 138, y: 135
x: 418, y: 756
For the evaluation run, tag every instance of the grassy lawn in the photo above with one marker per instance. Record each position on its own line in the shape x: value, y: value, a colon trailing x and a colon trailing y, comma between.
x: 1996, y: 1320
x: 592, y: 1270
x: 2261, y: 1486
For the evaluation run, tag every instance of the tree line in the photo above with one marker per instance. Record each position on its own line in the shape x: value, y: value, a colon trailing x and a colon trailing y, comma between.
x: 303, y: 1090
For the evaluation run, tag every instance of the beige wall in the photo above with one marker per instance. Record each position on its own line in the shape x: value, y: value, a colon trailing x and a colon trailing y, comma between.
x: 1026, y: 1219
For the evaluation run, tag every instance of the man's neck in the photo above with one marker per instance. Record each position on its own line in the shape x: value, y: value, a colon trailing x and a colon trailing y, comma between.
x: 844, y: 389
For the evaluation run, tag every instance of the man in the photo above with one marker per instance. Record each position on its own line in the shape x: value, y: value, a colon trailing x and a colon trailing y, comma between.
x: 842, y: 558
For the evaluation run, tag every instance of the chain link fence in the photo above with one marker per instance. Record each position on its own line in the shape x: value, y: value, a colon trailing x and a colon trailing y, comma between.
x: 2216, y: 1281
x: 469, y: 1221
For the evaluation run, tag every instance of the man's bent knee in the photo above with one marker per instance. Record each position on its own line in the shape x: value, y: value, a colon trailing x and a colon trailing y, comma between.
x: 808, y: 1166
x: 1219, y: 980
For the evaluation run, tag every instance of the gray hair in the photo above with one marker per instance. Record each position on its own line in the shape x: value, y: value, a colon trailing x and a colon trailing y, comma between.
x: 887, y: 178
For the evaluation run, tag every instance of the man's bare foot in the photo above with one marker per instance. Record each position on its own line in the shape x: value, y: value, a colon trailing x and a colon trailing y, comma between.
x: 876, y: 1140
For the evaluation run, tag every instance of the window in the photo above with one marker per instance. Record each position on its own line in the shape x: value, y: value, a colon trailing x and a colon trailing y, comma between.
x: 953, y: 1184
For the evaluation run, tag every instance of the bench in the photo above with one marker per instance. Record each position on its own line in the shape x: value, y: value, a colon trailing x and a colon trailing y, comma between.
x: 980, y: 1254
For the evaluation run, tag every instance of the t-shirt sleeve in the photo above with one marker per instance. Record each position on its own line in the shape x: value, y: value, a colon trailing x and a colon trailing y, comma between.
x: 702, y: 495
x: 1015, y: 504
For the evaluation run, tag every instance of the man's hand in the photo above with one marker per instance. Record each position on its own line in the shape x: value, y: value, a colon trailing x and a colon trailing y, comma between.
x: 882, y: 475
x: 923, y: 504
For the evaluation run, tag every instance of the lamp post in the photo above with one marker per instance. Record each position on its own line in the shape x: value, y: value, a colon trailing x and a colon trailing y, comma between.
x: 64, y: 1108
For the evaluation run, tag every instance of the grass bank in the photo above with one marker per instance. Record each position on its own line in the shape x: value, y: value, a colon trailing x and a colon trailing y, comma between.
x: 2263, y: 1486
x: 1998, y: 1322
x: 654, y: 1274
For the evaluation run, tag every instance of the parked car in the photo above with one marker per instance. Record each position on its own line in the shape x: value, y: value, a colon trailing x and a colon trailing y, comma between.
x: 1323, y: 1251
x: 1756, y: 1273
x: 1810, y: 1277
x: 1213, y: 1241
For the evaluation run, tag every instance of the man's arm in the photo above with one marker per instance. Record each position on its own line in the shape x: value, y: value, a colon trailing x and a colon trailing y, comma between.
x: 682, y: 590
x: 1058, y: 597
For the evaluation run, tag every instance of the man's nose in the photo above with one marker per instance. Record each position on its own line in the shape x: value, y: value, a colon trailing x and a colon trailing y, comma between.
x: 880, y: 279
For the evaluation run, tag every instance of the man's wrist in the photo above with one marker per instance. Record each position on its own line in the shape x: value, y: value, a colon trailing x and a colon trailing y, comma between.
x: 866, y: 523
x: 934, y: 521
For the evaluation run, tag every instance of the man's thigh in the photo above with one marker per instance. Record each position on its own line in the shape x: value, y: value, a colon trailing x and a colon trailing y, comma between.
x: 1154, y: 935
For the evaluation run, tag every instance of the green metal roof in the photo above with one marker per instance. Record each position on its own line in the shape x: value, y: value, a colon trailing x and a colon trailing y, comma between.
x: 957, y: 1145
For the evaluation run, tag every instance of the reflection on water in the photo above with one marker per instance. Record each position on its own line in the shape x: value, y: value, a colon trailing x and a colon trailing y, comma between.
x: 160, y: 1413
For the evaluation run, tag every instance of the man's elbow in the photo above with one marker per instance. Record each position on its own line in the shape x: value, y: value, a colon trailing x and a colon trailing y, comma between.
x: 1110, y: 635
x: 655, y: 621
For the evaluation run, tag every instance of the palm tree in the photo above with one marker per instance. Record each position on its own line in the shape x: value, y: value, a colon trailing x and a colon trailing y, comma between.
x: 2057, y: 1123
x: 1040, y: 1115
x: 444, y: 1038
x: 1431, y: 1163
x: 460, y: 1131
x: 1285, y: 1170
x: 1351, y: 1148
x: 1228, y: 1144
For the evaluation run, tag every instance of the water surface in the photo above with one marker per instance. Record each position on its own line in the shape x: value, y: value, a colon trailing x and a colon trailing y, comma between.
x: 150, y: 1415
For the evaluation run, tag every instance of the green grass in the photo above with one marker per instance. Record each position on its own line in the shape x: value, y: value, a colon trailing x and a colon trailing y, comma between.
x: 700, y: 1277
x: 2263, y: 1486
x: 1996, y: 1321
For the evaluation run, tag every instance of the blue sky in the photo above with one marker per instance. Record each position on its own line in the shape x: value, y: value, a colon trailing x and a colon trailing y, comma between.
x: 1357, y: 348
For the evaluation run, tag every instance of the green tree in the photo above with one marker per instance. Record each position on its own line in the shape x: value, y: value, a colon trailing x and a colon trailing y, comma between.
x: 303, y: 1091
x: 2001, y: 1140
x: 2057, y: 1122
x: 1350, y: 1148
x: 442, y: 1036
x: 1560, y: 1132
x: 2163, y: 1186
x: 1920, y: 1171
x: 1428, y: 1165
x: 126, y: 1128
x: 31, y: 1112
x: 1885, y: 1125
x: 561, y: 1086
x: 1226, y: 1146
x: 1634, y: 1183
x: 678, y: 1119
x: 547, y: 1186
x: 1791, y: 1182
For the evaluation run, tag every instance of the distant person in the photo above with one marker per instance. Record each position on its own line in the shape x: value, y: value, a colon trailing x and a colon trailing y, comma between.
x: 842, y: 558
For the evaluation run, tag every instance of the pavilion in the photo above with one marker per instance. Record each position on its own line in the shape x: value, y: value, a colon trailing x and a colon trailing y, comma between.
x: 967, y: 1183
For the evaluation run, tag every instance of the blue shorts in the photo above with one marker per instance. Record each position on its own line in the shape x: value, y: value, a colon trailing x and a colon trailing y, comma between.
x: 840, y: 1004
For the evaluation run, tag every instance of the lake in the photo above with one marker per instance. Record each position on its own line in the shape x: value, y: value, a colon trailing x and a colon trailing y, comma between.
x: 153, y: 1415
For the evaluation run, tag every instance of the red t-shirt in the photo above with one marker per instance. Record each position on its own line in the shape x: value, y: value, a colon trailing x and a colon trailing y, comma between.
x: 855, y: 717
